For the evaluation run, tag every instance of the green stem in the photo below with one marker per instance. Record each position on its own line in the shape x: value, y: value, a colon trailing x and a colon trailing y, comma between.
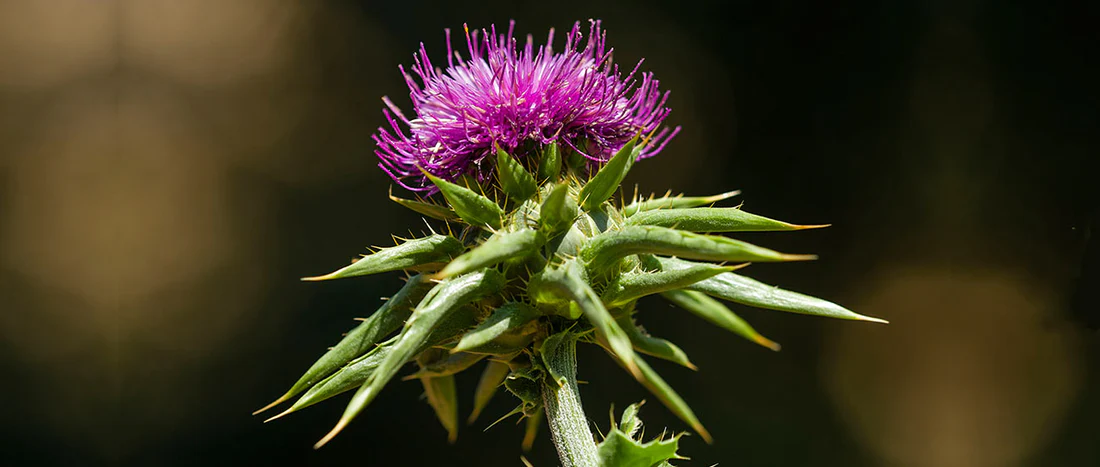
x: 568, y: 425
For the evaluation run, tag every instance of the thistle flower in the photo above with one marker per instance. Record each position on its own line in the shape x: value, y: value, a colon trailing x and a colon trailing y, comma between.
x: 508, y: 96
x: 527, y: 150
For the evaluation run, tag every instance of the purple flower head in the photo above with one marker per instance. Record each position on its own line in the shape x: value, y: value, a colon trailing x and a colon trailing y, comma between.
x: 510, y: 96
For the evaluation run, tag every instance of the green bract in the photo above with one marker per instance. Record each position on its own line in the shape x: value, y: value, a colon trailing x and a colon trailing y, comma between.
x: 544, y: 258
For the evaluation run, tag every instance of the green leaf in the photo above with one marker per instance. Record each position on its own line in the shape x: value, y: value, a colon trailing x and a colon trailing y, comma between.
x: 605, y: 249
x: 654, y: 346
x: 713, y: 220
x: 550, y: 163
x: 444, y: 299
x: 443, y: 398
x: 608, y: 179
x: 701, y: 305
x: 675, y: 202
x: 387, y: 319
x: 631, y: 286
x: 417, y: 253
x: 432, y: 210
x: 621, y: 448
x: 559, y: 210
x: 658, y: 387
x: 510, y: 328
x: 746, y: 291
x: 491, y: 380
x: 449, y: 364
x: 475, y: 209
x: 358, y: 371
x: 501, y: 246
x: 345, y: 379
x: 515, y: 180
x: 570, y: 283
x: 525, y: 383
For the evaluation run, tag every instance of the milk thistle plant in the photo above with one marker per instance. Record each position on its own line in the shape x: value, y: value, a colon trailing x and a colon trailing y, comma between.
x: 520, y: 150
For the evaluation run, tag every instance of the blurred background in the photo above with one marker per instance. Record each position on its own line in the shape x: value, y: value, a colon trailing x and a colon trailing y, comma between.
x: 168, y: 169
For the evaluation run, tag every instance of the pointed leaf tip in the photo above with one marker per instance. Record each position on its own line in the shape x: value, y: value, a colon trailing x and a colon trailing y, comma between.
x: 474, y: 208
x: 412, y: 254
x: 280, y: 400
x: 501, y: 246
x: 675, y: 202
x: 608, y: 179
x: 514, y: 179
x: 434, y: 211
x: 280, y: 415
x: 713, y: 220
x: 550, y: 164
x: 332, y: 434
x: 605, y: 249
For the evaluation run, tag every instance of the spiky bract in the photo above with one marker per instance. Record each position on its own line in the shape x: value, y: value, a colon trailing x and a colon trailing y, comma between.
x: 526, y: 261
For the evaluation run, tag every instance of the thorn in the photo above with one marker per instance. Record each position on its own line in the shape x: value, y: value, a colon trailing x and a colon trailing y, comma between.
x: 814, y: 226
x: 790, y: 257
x: 703, y: 433
x: 722, y: 196
x: 280, y: 400
x: 874, y: 320
x: 332, y: 434
x: 285, y: 412
x: 764, y: 341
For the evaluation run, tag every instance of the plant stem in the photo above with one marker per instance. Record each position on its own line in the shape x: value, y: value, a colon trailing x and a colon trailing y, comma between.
x: 568, y: 425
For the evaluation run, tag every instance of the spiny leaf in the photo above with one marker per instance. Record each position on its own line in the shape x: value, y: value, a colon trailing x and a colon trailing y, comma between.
x: 622, y: 449
x: 631, y: 286
x: 347, y: 378
x: 524, y: 384
x: 358, y: 371
x: 491, y: 380
x: 515, y: 180
x: 550, y: 163
x: 569, y: 282
x: 746, y: 291
x: 414, y: 253
x: 675, y: 202
x: 443, y: 398
x: 701, y: 305
x: 510, y: 322
x: 559, y: 210
x: 434, y: 211
x: 449, y: 364
x: 654, y: 346
x: 608, y: 179
x: 713, y: 220
x: 472, y: 207
x: 444, y: 299
x: 388, y: 318
x: 629, y: 424
x: 501, y: 246
x: 608, y: 247
x: 657, y: 385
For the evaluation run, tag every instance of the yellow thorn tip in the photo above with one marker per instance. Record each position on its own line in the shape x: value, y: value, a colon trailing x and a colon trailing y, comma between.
x: 764, y: 341
x: 280, y: 400
x: 332, y: 434
x: 285, y: 412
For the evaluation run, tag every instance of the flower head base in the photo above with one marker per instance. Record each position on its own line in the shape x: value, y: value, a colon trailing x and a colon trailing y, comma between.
x: 517, y: 98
